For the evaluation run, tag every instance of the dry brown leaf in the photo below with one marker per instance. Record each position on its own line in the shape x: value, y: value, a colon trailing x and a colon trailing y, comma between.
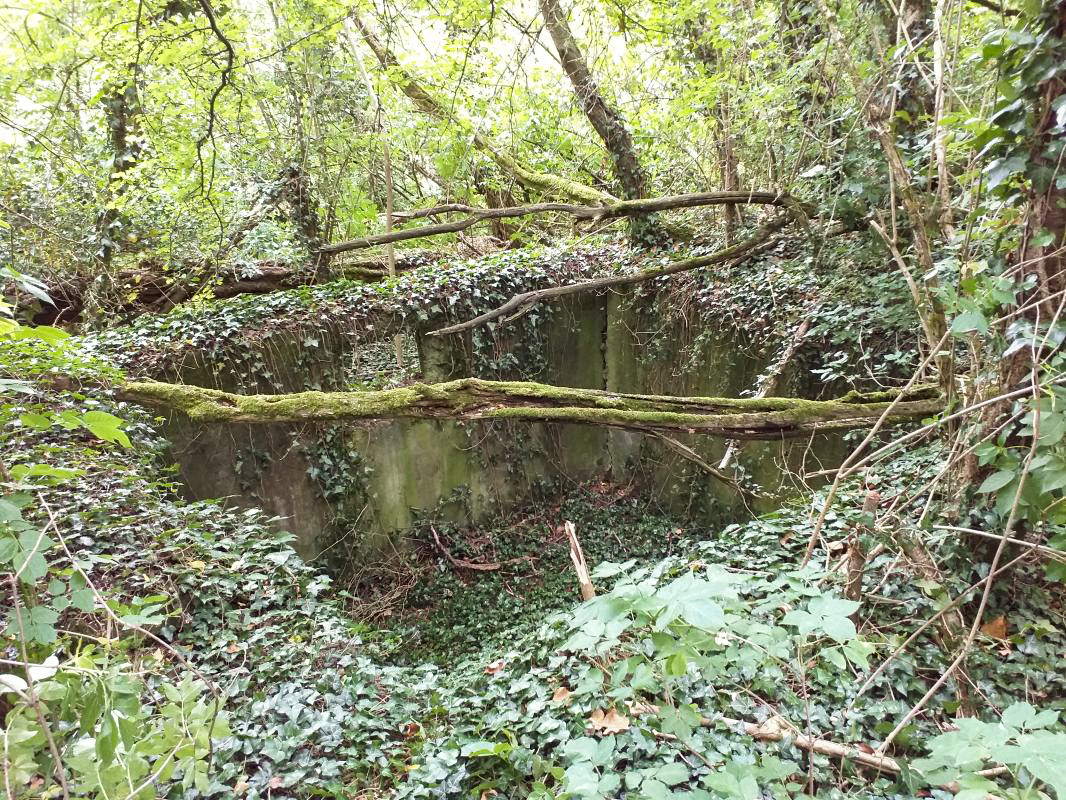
x: 608, y: 722
x: 996, y: 628
x: 240, y: 787
x: 232, y: 647
x: 494, y: 667
x: 639, y: 707
x: 561, y: 695
x: 275, y: 782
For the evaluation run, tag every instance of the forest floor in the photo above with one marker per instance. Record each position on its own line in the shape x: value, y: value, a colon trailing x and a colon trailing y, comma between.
x: 499, y: 680
x: 447, y: 679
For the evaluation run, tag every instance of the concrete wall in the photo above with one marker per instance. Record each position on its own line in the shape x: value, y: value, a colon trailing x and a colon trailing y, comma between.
x: 475, y: 471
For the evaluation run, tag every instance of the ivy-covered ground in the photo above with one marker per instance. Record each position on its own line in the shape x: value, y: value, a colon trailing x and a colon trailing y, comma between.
x: 456, y: 681
x: 472, y: 690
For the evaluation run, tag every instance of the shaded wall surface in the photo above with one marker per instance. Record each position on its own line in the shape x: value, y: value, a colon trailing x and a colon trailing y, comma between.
x: 355, y: 488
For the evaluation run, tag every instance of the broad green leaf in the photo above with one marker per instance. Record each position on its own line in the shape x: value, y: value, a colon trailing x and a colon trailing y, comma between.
x: 995, y: 481
x: 673, y: 773
x: 105, y: 426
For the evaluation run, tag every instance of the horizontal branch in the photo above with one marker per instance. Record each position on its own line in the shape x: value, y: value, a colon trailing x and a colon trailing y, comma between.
x: 754, y: 243
x: 777, y: 729
x: 622, y: 208
x: 475, y: 399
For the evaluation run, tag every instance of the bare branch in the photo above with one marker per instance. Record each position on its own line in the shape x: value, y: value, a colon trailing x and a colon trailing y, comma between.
x: 762, y: 238
x: 621, y: 208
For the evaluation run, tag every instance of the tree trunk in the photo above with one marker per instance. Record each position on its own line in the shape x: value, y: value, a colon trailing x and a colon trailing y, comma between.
x: 122, y: 107
x: 1042, y: 253
x: 606, y: 120
x: 554, y: 186
x: 475, y: 399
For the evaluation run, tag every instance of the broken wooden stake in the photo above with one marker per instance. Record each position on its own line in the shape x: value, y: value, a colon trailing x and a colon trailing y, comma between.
x: 588, y: 591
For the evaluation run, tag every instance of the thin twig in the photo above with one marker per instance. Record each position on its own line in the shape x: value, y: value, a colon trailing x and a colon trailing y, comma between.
x: 31, y: 692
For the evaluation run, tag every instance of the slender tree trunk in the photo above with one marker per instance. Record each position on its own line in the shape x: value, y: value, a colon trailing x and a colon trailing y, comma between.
x: 940, y: 156
x: 1042, y: 253
x: 727, y: 159
x: 604, y: 118
x: 930, y: 309
x: 122, y: 105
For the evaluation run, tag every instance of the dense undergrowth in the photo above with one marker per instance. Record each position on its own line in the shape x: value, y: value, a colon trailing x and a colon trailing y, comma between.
x: 860, y: 320
x: 467, y: 681
x: 320, y: 704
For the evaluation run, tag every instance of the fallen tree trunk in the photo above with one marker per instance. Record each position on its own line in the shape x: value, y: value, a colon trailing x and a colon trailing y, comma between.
x: 777, y: 729
x: 476, y: 399
x: 616, y: 210
x: 150, y: 287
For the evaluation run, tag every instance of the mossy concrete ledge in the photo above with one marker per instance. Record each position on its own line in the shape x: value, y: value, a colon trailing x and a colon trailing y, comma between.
x: 475, y: 399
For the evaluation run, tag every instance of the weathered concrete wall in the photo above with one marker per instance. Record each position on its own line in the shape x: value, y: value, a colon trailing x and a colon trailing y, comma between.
x: 644, y: 357
x: 473, y: 472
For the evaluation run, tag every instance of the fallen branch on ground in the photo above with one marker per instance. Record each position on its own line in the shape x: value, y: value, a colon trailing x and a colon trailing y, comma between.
x: 777, y: 728
x: 476, y: 399
x: 479, y: 566
x: 689, y: 454
x: 588, y: 591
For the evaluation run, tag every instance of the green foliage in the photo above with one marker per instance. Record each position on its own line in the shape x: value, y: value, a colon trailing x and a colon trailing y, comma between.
x: 110, y: 741
x: 452, y: 614
x: 1019, y: 741
x: 108, y: 168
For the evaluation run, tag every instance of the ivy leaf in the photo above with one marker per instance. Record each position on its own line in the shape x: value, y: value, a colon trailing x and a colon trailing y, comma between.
x: 840, y: 629
x: 582, y: 780
x: 672, y: 774
x: 707, y: 615
x: 36, y: 421
x: 1002, y: 168
x: 972, y: 320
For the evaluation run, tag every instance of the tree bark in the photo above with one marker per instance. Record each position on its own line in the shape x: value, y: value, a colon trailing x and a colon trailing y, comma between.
x: 1046, y: 260
x: 475, y: 399
x: 122, y: 107
x: 605, y: 119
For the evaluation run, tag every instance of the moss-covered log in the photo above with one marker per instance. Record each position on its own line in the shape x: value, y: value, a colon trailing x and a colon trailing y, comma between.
x: 475, y: 399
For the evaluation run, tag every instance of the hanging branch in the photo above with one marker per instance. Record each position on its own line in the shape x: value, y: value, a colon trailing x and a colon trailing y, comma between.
x: 548, y: 184
x: 760, y: 240
x: 621, y: 208
x: 223, y: 82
